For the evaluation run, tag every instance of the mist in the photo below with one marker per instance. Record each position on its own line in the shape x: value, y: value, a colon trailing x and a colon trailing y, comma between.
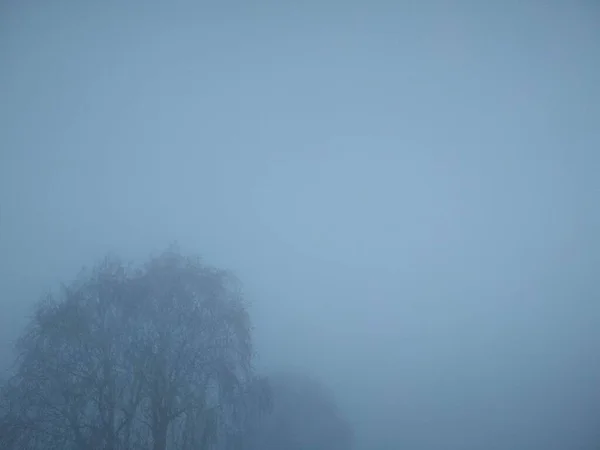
x: 409, y: 193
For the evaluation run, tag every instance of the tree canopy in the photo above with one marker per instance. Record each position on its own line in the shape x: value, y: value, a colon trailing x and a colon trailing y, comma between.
x: 304, y: 416
x: 129, y: 358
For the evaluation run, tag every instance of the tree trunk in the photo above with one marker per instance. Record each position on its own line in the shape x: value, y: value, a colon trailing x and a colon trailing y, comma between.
x: 159, y: 435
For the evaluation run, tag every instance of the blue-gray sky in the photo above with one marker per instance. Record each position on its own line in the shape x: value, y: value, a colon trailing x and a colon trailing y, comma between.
x: 409, y: 191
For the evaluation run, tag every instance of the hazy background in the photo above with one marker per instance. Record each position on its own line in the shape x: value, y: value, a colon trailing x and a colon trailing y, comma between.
x: 410, y: 193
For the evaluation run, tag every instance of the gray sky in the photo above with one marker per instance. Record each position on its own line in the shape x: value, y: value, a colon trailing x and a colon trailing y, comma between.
x: 409, y: 193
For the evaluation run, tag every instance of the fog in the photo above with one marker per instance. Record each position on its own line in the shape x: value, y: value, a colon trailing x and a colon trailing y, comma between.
x: 408, y: 193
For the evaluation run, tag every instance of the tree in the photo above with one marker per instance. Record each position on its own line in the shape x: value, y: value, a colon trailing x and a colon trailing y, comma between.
x: 304, y: 415
x: 158, y: 357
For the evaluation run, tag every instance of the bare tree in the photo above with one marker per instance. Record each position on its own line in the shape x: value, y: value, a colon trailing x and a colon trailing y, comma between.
x: 124, y: 359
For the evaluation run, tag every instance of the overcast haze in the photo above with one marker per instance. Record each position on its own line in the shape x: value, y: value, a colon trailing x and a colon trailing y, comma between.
x: 408, y: 193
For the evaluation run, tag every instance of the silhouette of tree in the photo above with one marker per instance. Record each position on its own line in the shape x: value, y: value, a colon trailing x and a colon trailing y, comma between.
x: 304, y: 415
x: 123, y: 359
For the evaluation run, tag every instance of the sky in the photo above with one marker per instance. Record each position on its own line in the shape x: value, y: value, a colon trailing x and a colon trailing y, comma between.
x: 408, y: 191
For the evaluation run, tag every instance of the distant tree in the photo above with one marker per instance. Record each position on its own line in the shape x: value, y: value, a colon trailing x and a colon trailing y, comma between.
x: 304, y: 415
x: 122, y: 359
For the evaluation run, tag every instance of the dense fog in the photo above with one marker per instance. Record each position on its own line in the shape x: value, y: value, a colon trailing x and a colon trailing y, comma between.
x: 407, y: 191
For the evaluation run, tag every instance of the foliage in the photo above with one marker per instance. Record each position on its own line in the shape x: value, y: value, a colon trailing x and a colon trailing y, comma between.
x: 304, y: 416
x: 158, y: 357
